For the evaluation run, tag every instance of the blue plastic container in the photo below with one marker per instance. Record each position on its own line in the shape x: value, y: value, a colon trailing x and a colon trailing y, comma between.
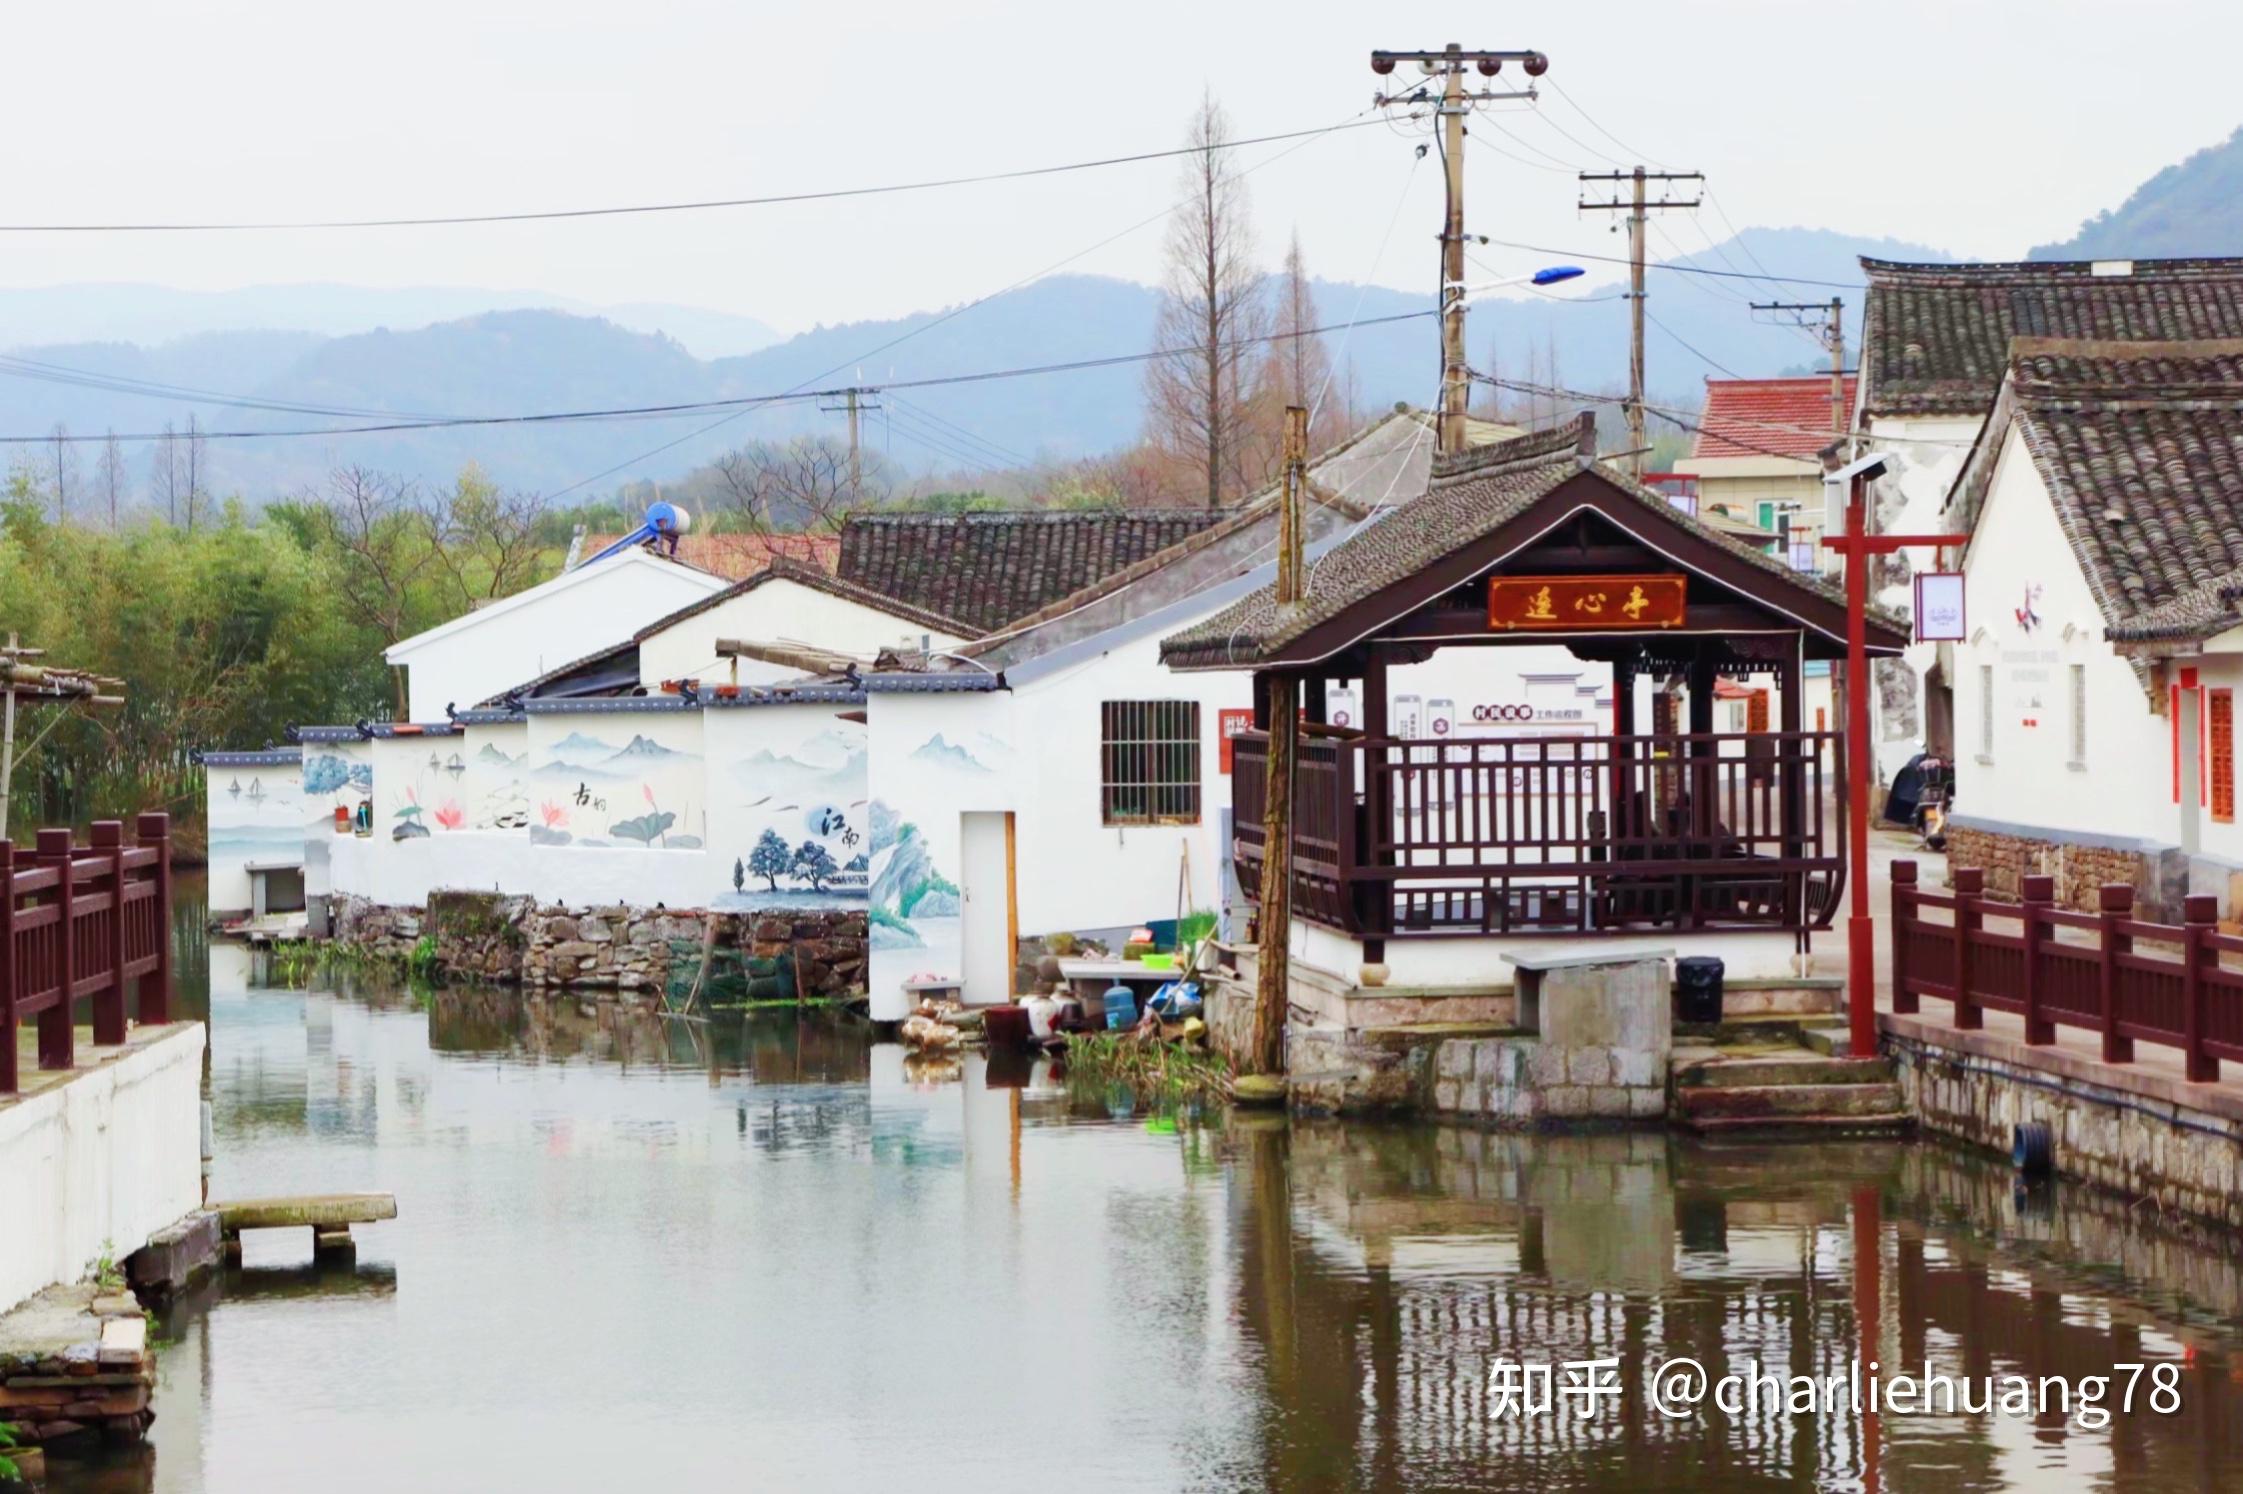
x: 1121, y: 1006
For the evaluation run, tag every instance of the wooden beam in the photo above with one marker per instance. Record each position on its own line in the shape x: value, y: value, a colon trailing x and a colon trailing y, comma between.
x: 1274, y: 935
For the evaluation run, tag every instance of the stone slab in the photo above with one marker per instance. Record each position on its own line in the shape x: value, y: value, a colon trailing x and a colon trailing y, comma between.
x: 1544, y: 962
x: 315, y: 1210
x: 175, y: 1255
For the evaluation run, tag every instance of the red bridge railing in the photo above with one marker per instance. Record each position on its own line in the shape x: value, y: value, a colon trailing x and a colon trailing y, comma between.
x: 81, y: 923
x: 2056, y: 967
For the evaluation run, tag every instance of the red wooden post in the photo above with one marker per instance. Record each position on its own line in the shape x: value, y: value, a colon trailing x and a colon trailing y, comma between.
x: 1970, y: 885
x: 109, y: 1002
x: 155, y: 987
x: 2116, y: 902
x: 2200, y: 915
x: 2037, y: 892
x: 1903, y: 912
x: 8, y: 1019
x: 58, y: 1043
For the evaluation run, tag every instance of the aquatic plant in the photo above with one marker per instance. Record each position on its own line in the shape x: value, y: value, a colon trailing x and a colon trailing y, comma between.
x: 8, y: 1438
x: 1152, y: 1069
x: 422, y: 961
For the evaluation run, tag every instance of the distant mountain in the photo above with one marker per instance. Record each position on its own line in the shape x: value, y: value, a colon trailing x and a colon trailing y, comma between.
x: 503, y: 362
x: 149, y: 314
x: 947, y: 754
x: 644, y: 747
x: 2189, y: 209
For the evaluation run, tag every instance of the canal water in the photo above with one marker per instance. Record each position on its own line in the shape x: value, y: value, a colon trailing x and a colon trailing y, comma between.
x: 771, y: 1255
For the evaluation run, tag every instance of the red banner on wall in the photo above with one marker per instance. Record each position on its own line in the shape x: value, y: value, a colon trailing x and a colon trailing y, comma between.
x: 1576, y: 604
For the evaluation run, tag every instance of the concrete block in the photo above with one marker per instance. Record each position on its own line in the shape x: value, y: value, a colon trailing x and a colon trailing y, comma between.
x: 1608, y: 1101
x: 1454, y: 1060
x: 1591, y: 1066
x: 1565, y: 1101
x: 1637, y: 1067
x: 1645, y: 1104
x: 1447, y: 1095
x: 1547, y: 1065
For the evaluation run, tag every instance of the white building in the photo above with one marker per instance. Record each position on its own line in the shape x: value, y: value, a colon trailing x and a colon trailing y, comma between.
x: 498, y: 645
x: 2095, y: 697
x: 1935, y: 345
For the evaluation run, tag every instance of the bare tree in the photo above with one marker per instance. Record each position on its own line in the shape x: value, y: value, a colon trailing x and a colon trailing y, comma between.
x: 163, y: 474
x: 64, y: 470
x: 109, y: 478
x: 485, y: 539
x: 196, y: 454
x: 1199, y: 396
x: 803, y: 484
x: 385, y: 546
x: 1300, y: 367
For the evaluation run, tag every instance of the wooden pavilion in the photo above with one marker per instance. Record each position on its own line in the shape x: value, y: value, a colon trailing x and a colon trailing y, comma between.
x: 1664, y: 827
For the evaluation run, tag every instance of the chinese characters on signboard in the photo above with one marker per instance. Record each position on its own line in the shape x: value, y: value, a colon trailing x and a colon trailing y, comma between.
x: 1575, y: 604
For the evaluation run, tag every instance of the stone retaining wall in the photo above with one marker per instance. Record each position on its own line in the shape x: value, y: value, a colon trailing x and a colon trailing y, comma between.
x: 614, y: 947
x: 2142, y: 1135
x: 75, y: 1363
x: 2080, y: 868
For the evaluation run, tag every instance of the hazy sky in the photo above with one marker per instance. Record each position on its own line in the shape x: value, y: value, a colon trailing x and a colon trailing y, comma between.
x: 1982, y: 126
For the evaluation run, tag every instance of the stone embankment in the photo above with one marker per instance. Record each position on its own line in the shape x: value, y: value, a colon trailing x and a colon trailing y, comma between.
x: 810, y: 954
x: 75, y: 1363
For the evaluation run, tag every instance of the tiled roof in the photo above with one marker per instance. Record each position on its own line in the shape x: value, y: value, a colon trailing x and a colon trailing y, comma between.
x: 990, y: 569
x: 739, y: 556
x: 2141, y: 448
x: 1472, y: 496
x: 1767, y: 417
x: 782, y: 569
x: 1936, y: 337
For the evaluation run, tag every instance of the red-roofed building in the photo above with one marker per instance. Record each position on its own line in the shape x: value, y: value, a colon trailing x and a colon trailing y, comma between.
x: 736, y: 557
x: 1758, y: 455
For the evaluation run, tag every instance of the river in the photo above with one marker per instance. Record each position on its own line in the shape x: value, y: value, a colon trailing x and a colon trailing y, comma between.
x: 769, y: 1254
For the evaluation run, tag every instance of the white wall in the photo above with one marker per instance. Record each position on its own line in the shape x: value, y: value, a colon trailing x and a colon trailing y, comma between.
x: 336, y: 775
x: 515, y: 640
x: 778, y: 611
x: 255, y: 813
x: 101, y: 1162
x: 2020, y: 560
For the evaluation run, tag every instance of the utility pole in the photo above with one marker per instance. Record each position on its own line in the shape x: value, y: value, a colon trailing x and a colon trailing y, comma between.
x: 854, y: 402
x: 1638, y: 211
x: 1833, y: 314
x: 21, y: 675
x: 1453, y: 103
x: 1279, y: 696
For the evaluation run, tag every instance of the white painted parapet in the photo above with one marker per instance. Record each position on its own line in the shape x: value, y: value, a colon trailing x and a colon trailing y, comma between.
x: 94, y: 1164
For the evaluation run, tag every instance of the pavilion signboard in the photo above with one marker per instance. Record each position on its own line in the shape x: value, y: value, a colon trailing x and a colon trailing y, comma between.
x: 1577, y: 604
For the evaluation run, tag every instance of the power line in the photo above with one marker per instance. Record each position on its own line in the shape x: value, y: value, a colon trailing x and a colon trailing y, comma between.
x: 1687, y: 348
x: 1669, y: 265
x: 741, y: 404
x: 776, y: 199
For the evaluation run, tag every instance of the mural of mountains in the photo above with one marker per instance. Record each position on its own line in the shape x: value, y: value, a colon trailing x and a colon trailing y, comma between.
x: 947, y: 754
x: 2194, y: 207
x: 641, y: 747
x: 576, y: 745
x: 128, y: 371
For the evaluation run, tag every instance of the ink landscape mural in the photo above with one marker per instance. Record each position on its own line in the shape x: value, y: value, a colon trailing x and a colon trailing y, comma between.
x: 799, y: 826
x: 629, y: 780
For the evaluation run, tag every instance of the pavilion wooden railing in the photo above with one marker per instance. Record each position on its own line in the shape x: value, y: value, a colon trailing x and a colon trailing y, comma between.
x: 1554, y: 835
x: 2059, y: 968
x: 80, y: 923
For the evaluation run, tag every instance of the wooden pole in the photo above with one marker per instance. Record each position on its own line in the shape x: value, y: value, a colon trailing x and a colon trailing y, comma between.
x: 1282, y: 694
x: 1281, y: 707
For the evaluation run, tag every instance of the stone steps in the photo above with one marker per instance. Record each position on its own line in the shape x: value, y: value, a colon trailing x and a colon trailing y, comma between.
x: 1750, y: 1100
x: 1777, y: 1092
x: 1784, y: 1067
x: 1829, y: 1038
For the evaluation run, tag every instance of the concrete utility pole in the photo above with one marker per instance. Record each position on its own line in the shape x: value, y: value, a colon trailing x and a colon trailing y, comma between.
x: 854, y: 402
x: 1453, y: 103
x: 1833, y: 314
x: 1638, y: 212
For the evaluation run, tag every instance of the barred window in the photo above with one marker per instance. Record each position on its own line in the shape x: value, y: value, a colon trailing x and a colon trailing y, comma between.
x: 2220, y: 733
x: 1148, y: 762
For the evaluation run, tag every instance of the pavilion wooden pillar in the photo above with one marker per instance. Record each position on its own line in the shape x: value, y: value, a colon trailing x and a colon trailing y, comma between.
x: 1620, y: 820
x: 1703, y: 672
x: 1791, y: 782
x: 1375, y: 899
x: 1279, y: 693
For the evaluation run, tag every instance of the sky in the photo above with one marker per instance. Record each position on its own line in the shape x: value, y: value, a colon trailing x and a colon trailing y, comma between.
x: 1978, y: 126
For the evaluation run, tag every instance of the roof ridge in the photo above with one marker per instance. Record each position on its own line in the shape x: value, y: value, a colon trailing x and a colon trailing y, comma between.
x: 2196, y: 266
x: 1521, y: 453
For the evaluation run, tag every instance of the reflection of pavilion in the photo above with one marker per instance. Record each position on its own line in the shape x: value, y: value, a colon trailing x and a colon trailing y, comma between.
x: 1383, y: 1271
x: 1665, y: 826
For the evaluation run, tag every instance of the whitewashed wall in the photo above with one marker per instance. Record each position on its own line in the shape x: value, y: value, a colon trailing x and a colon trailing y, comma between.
x: 778, y: 611
x: 255, y: 814
x: 100, y: 1162
x: 336, y: 775
x: 509, y: 642
x: 2020, y: 563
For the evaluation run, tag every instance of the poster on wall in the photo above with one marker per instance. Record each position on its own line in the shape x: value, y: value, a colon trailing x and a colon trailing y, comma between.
x: 800, y: 833
x: 1939, y: 607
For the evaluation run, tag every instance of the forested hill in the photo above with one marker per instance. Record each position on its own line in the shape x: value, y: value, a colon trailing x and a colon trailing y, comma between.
x: 2194, y: 207
x: 534, y: 360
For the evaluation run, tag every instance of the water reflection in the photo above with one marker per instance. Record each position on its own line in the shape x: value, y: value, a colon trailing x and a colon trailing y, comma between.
x: 771, y: 1254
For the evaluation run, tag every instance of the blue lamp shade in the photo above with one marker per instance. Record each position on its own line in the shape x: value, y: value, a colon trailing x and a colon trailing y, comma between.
x: 1556, y: 273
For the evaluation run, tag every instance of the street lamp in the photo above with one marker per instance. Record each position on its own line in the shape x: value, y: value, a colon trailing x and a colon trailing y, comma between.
x: 1547, y: 275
